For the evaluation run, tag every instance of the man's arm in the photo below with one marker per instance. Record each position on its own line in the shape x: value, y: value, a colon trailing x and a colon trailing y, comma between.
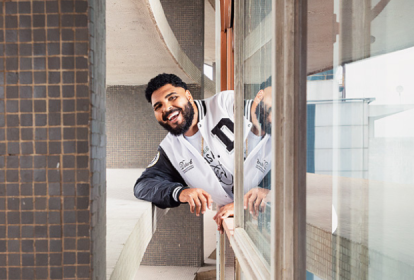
x: 160, y: 183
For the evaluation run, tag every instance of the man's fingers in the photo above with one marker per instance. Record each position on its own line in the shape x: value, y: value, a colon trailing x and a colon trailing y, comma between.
x: 197, y: 205
x: 192, y: 205
x: 246, y: 199
x: 197, y: 199
x: 220, y: 225
x: 217, y: 216
x: 263, y: 205
x: 218, y: 222
x: 226, y: 215
x: 252, y: 199
x: 203, y: 204
x: 209, y: 200
x: 223, y: 213
x: 257, y: 204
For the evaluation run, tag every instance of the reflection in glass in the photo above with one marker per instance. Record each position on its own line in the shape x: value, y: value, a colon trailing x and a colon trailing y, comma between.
x: 257, y: 84
x: 361, y: 159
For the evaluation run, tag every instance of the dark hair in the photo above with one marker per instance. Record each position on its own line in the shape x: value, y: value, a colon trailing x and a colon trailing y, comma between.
x: 267, y: 83
x: 162, y: 80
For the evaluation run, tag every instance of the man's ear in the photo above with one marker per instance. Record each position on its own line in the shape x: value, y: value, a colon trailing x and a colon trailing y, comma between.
x: 188, y: 95
x: 259, y: 96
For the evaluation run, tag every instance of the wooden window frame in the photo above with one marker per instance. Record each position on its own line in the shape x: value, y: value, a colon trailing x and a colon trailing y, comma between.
x: 288, y: 242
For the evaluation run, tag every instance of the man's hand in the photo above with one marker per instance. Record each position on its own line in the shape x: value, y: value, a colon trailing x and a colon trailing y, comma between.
x: 255, y: 200
x: 222, y: 213
x: 198, y: 199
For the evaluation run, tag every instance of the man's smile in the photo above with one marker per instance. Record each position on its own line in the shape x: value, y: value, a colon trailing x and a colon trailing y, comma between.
x: 177, y: 119
x: 172, y: 115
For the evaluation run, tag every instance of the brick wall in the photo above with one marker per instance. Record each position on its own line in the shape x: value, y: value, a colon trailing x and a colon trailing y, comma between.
x: 133, y: 132
x: 46, y: 141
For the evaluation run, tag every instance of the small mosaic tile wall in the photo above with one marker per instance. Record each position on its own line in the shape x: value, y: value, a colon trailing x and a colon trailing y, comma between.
x: 330, y: 256
x: 45, y: 145
x: 186, y: 19
x: 133, y: 133
x: 177, y: 241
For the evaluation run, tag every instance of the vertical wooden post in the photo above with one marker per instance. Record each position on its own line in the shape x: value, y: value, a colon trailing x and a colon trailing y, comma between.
x: 227, y: 55
x: 237, y: 270
x: 223, y: 61
x: 289, y: 140
x: 220, y: 241
x: 238, y: 113
x: 230, y: 59
x: 218, y: 46
x: 220, y: 256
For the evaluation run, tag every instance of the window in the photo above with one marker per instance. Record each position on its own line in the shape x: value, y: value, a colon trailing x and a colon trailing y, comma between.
x: 267, y: 74
x: 360, y: 109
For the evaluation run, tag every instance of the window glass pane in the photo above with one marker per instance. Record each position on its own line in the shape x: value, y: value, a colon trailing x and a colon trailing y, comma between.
x: 360, y: 141
x: 257, y: 143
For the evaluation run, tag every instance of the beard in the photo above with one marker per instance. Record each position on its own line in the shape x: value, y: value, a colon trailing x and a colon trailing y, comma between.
x: 262, y: 113
x: 188, y: 116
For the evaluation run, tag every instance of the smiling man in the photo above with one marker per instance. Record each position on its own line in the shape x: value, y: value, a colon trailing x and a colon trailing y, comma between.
x: 195, y: 161
x: 179, y: 116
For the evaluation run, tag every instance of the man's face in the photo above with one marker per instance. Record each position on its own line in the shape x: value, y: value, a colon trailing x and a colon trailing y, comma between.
x: 173, y: 109
x: 264, y: 111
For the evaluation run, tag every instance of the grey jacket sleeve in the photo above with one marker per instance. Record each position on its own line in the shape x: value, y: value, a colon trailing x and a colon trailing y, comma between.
x: 160, y: 183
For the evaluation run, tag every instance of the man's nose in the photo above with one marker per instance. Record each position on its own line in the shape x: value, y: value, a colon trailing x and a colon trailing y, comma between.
x: 168, y: 108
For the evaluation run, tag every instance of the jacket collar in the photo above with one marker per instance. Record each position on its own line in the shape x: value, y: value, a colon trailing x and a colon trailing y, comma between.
x: 202, y: 109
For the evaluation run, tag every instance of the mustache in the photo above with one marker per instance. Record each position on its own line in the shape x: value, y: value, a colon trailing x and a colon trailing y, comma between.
x: 166, y: 114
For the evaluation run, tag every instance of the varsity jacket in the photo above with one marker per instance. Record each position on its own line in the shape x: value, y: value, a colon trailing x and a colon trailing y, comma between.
x: 179, y: 165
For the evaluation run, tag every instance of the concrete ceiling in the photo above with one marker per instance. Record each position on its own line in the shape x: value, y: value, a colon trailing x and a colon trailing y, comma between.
x: 135, y: 51
x: 139, y: 46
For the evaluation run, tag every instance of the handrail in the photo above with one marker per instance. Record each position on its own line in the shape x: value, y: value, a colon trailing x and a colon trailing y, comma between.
x: 367, y: 99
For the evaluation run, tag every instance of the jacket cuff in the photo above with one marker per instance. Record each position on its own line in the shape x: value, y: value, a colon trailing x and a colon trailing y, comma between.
x: 176, y: 192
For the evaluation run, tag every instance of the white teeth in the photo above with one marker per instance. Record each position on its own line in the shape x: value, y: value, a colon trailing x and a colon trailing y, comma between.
x: 172, y: 115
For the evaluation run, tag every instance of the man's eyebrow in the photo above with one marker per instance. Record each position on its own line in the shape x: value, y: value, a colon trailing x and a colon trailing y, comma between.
x: 171, y: 93
x: 168, y: 95
x: 156, y: 104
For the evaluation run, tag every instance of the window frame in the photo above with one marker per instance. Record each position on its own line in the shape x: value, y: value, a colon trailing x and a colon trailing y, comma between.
x: 288, y: 243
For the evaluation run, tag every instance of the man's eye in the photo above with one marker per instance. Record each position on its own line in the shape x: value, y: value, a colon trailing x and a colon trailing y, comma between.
x: 173, y: 98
